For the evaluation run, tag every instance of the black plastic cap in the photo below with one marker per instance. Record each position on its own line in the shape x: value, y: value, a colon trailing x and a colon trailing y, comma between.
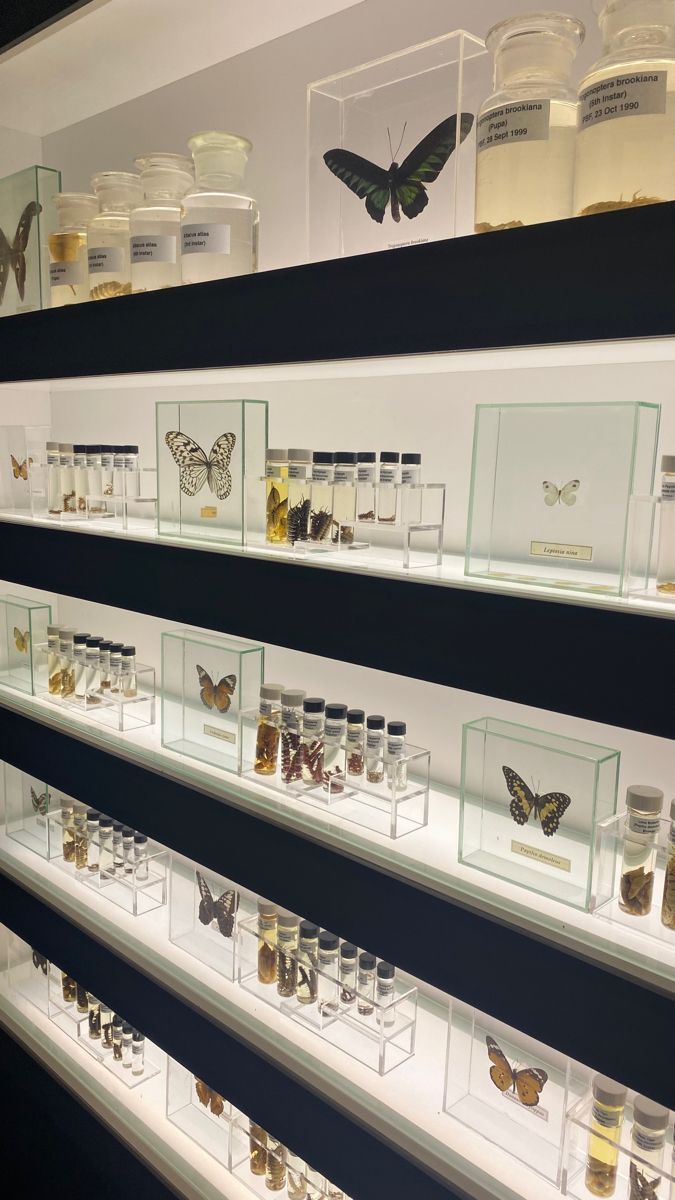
x: 346, y: 456
x: 396, y: 728
x: 118, y: 827
x: 80, y: 638
x: 376, y: 721
x: 411, y: 458
x: 93, y: 816
x: 313, y: 704
x: 129, y: 650
x: 80, y: 449
x: 323, y: 456
x: 127, y: 831
x: 93, y: 449
x: 336, y: 712
x: 106, y: 823
x: 93, y: 643
x: 356, y: 716
x: 308, y: 929
x: 328, y: 941
x: 348, y: 950
x: 115, y: 647
x: 105, y: 645
x: 385, y: 970
x: 140, y: 838
x: 389, y: 456
x: 366, y: 961
x: 367, y: 456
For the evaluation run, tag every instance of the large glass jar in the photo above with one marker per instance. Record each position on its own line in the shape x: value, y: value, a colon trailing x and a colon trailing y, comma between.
x: 526, y: 129
x: 108, y: 239
x: 625, y: 152
x: 68, y: 272
x: 154, y: 225
x: 220, y: 222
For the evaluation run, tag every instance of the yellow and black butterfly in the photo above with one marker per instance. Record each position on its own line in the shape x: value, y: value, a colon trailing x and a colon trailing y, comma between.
x: 526, y: 1084
x: 14, y: 256
x: 402, y: 185
x: 20, y: 470
x: 39, y: 802
x: 216, y: 695
x: 21, y: 640
x: 223, y: 910
x: 209, y: 1098
x: 195, y: 468
x: 548, y: 808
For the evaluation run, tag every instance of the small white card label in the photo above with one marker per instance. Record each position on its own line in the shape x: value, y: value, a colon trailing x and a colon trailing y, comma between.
x: 223, y: 734
x: 66, y: 274
x: 561, y: 550
x: 160, y: 248
x: 632, y: 95
x: 105, y: 258
x: 206, y: 239
x: 541, y: 856
x: 535, y: 1109
x: 524, y: 122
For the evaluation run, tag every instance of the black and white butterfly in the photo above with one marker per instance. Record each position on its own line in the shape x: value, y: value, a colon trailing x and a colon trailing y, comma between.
x: 567, y: 494
x: 195, y: 468
x: 404, y: 185
x: 223, y: 910
x: 14, y: 256
x: 548, y: 808
x: 40, y: 962
x: 40, y: 803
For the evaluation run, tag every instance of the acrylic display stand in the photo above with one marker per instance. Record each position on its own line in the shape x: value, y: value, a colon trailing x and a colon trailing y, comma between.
x: 206, y: 931
x: 609, y: 838
x: 36, y: 187
x: 505, y: 836
x: 201, y: 490
x: 372, y: 108
x: 27, y: 804
x: 550, y: 487
x: 112, y: 707
x: 303, y: 1182
x: 20, y: 447
x: 27, y: 972
x: 132, y: 494
x: 206, y: 681
x: 527, y: 1071
x: 643, y: 524
x: 577, y: 1135
x: 381, y: 1040
x: 97, y: 493
x: 23, y: 627
x: 208, y: 1128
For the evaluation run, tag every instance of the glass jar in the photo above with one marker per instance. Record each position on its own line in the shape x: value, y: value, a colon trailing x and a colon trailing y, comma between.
x: 375, y: 748
x: 344, y: 493
x: 276, y: 496
x: 643, y: 812
x: 625, y: 153
x: 397, y: 763
x: 668, y: 903
x: 526, y: 130
x: 313, y: 711
x: 348, y: 959
x: 68, y: 832
x: 609, y: 1099
x: 366, y: 989
x: 647, y: 1144
x: 267, y: 733
x: 328, y: 983
x: 321, y: 508
x: 68, y: 270
x: 308, y: 949
x: 219, y: 222
x: 665, y: 569
x: 299, y: 472
x: 154, y: 225
x: 366, y: 471
x: 386, y: 994
x: 108, y: 236
x: 335, y: 732
x: 291, y: 732
x: 355, y: 740
x: 287, y: 945
x: 267, y: 942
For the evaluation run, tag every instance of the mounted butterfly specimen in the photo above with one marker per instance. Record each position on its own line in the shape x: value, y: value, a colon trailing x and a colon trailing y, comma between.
x: 216, y: 695
x: 548, y: 808
x: 20, y: 470
x: 195, y: 467
x: 21, y: 640
x: 567, y: 494
x: 209, y: 1098
x: 40, y: 962
x: 401, y: 186
x: 222, y: 910
x: 40, y: 803
x: 14, y: 256
x: 527, y: 1084
x: 642, y: 1188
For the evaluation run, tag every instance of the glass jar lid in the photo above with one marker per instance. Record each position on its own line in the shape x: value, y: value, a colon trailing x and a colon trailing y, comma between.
x: 219, y: 155
x: 75, y: 209
x: 119, y: 190
x: 534, y: 46
x: 164, y: 174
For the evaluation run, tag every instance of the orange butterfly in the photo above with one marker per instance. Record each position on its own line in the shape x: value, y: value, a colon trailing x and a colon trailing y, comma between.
x: 20, y: 470
x: 526, y: 1084
x: 218, y: 695
x: 209, y: 1098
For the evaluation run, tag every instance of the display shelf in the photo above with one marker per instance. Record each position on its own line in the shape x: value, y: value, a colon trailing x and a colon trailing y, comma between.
x: 23, y: 21
x: 306, y: 313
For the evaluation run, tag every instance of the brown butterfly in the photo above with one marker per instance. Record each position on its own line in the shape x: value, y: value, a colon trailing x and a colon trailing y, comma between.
x: 14, y: 256
x: 526, y: 1084
x: 20, y: 470
x: 223, y: 910
x: 209, y: 1098
x: 21, y: 640
x: 39, y: 802
x: 218, y: 695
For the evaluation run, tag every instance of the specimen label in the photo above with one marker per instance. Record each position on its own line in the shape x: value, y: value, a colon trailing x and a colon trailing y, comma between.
x: 209, y: 238
x: 561, y: 550
x: 527, y: 121
x: 160, y: 247
x: 633, y: 95
x: 543, y: 856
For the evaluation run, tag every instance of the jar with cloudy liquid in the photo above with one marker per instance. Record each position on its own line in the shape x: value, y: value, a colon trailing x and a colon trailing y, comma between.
x: 108, y: 235
x: 625, y: 152
x: 276, y: 496
x: 647, y: 1146
x: 68, y: 269
x: 53, y: 669
x: 268, y: 729
x: 219, y: 222
x: 641, y: 828
x: 665, y: 567
x: 526, y: 130
x: 154, y: 224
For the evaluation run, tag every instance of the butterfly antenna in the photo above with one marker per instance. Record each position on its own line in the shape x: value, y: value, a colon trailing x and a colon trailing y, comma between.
x: 395, y: 156
x: 391, y: 150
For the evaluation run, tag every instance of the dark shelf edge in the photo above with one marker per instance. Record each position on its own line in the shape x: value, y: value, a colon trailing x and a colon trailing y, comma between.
x: 518, y: 287
x: 21, y: 21
x: 392, y: 917
x: 495, y: 645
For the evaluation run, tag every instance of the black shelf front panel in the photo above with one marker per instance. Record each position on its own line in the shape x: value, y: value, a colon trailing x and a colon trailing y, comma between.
x: 21, y: 19
x: 518, y: 287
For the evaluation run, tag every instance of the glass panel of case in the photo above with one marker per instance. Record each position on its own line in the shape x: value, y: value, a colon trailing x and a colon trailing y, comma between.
x: 27, y: 971
x: 21, y: 446
x: 203, y: 913
x: 201, y: 1113
x: 27, y: 804
x: 23, y: 629
x: 628, y: 1162
x: 649, y: 909
x: 27, y: 217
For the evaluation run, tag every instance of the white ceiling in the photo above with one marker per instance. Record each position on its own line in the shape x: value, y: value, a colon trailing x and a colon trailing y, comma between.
x: 115, y: 50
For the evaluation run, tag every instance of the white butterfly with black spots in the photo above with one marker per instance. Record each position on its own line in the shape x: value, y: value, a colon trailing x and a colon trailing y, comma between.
x: 567, y: 494
x: 195, y: 468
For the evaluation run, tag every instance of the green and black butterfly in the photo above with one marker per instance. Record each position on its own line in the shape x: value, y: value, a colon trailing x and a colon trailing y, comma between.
x: 404, y: 185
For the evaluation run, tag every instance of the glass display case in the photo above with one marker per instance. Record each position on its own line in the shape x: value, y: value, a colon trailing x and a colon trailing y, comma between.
x: 23, y: 631
x: 21, y: 446
x: 203, y: 913
x: 27, y: 804
x: 121, y: 701
x: 642, y: 900
x: 27, y: 971
x: 550, y: 490
x: 530, y: 803
x: 27, y: 217
x: 204, y: 1115
x: 630, y: 1161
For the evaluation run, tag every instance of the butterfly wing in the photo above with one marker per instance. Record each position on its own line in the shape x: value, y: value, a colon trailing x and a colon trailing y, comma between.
x: 218, y: 467
x: 207, y: 693
x: 522, y: 798
x: 551, y: 493
x: 568, y: 493
x: 216, y: 1104
x: 500, y: 1071
x: 19, y: 470
x: 21, y: 640
x: 206, y: 903
x: 5, y: 258
x: 222, y: 696
x: 368, y: 181
x: 550, y: 809
x: 39, y: 802
x: 642, y: 1188
x: 424, y: 164
x: 40, y: 962
x: 225, y: 909
x: 18, y: 250
x: 192, y: 463
x: 529, y: 1083
x: 203, y: 1092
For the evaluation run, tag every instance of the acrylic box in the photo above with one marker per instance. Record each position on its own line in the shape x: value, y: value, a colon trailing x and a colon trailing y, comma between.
x: 609, y: 839
x: 382, y: 112
x: 201, y: 1113
x: 205, y: 449
x: 206, y: 681
x: 23, y: 629
x: 550, y: 490
x: 21, y: 447
x: 636, y: 1177
x: 27, y: 972
x: 203, y: 914
x: 27, y: 804
x: 250, y: 1144
x: 517, y: 784
x: 138, y: 887
x: 27, y: 217
x: 130, y: 500
x: 118, y: 708
x: 509, y: 1088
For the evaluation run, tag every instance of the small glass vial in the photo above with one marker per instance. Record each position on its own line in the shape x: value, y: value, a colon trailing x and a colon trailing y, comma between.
x: 348, y: 960
x: 327, y: 980
x: 54, y: 502
x: 94, y: 475
x: 118, y: 470
x: 94, y: 670
x: 107, y: 469
x: 108, y: 236
x: 67, y: 478
x: 67, y: 665
x: 287, y: 946
x: 92, y: 840
x: 526, y: 130
x: 68, y: 271
x: 296, y: 1183
x: 137, y: 1053
x: 131, y: 486
x: 127, y: 1045
x: 387, y: 492
x: 386, y: 994
x: 647, y: 1144
x: 106, y: 1027
x: 81, y: 477
x: 375, y: 748
x: 411, y: 469
x: 81, y: 1000
x: 141, y: 856
x: 335, y: 734
x: 397, y: 766
x: 219, y: 222
x: 625, y: 152
x: 117, y: 1027
x: 609, y: 1099
x: 257, y: 1148
x: 321, y: 507
x: 105, y: 845
x: 68, y: 833
x: 118, y: 848
x: 115, y: 667
x: 316, y: 1184
x: 299, y: 475
x: 104, y: 653
x: 128, y: 849
x: 291, y: 734
x: 154, y: 224
x: 355, y: 741
x: 81, y: 848
x: 366, y: 989
x: 275, y: 1173
x: 94, y: 1010
x: 68, y: 988
x: 276, y: 496
x: 267, y: 942
x: 313, y: 709
x: 80, y: 665
x: 127, y: 679
x: 643, y: 811
x: 268, y: 730
x: 308, y: 950
x: 668, y: 903
x: 665, y: 569
x: 344, y: 496
x: 53, y: 668
x: 366, y: 471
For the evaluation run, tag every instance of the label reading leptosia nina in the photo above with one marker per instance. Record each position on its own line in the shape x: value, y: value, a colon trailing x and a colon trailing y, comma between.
x: 525, y: 122
x: 106, y: 258
x: 634, y: 94
x: 206, y: 239
x: 159, y: 248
